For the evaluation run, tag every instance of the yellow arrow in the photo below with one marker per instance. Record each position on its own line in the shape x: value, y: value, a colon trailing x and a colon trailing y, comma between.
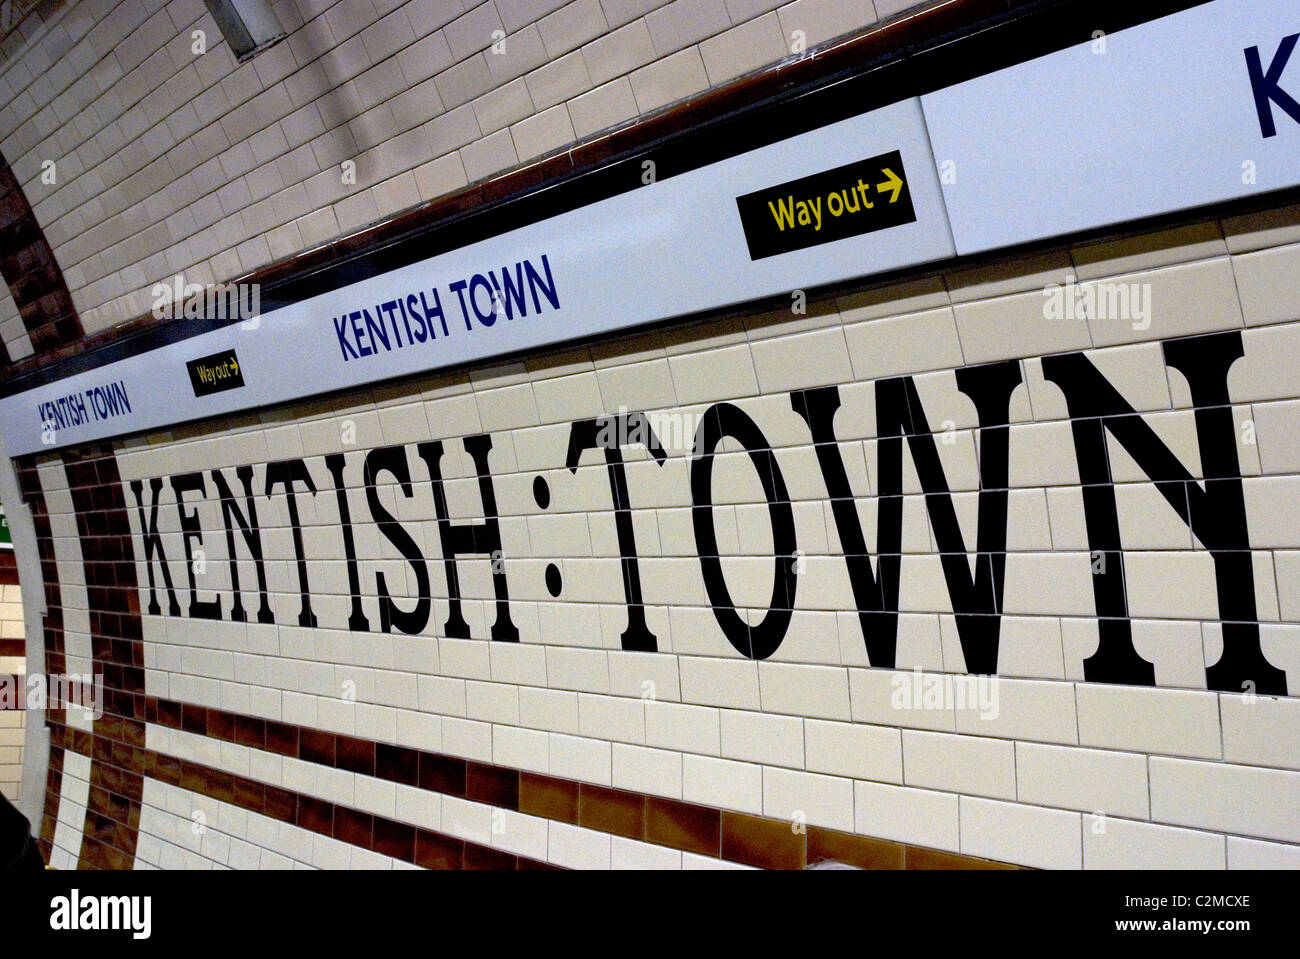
x: 234, y: 364
x: 893, y: 183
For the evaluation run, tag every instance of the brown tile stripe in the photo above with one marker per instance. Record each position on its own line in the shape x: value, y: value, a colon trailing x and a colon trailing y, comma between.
x: 8, y: 568
x: 35, y: 279
x: 942, y: 18
x: 29, y: 484
x: 752, y: 840
x: 424, y: 847
x: 117, y: 648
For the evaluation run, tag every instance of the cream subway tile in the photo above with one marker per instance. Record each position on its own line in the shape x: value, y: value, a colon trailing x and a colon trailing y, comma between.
x: 691, y: 861
x: 582, y: 759
x: 1163, y: 295
x: 1277, y: 427
x: 654, y: 771
x: 520, y: 834
x: 475, y: 30
x: 763, y: 738
x: 544, y: 133
x: 1120, y: 844
x: 467, y: 820
x: 519, y: 13
x: 1269, y: 497
x: 803, y: 798
x: 521, y: 52
x: 854, y: 750
x: 1255, y: 854
x: 807, y: 359
x: 619, y: 12
x: 631, y: 854
x: 1052, y: 583
x: 676, y: 726
x: 730, y: 683
x: 743, y: 49
x: 606, y: 106
x: 467, y: 739
x: 821, y: 20
x: 1263, y: 284
x: 611, y: 717
x: 1171, y: 584
x: 489, y: 155
x: 673, y: 78
x: 520, y: 748
x: 916, y: 342
x: 721, y: 374
x: 966, y: 764
x: 577, y: 848
x: 721, y: 783
x: 1029, y: 835
x: 1014, y: 326
x: 1099, y: 782
x: 492, y: 702
x: 550, y: 709
x: 503, y: 106
x: 902, y: 814
x: 1178, y: 722
x: 902, y: 697
x: 1246, y: 800
x: 683, y: 22
x: 815, y: 691
x: 1261, y: 730
x: 618, y: 52
x: 646, y: 675
x: 559, y: 80
x: 571, y: 26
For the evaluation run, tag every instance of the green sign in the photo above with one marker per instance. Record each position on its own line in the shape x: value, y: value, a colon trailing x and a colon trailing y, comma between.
x: 5, y: 541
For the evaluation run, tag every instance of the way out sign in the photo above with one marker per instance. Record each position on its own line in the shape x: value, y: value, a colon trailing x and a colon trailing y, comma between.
x: 850, y: 200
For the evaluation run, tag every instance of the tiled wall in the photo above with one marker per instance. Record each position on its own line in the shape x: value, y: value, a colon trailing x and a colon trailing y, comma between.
x: 328, y: 736
x: 166, y: 161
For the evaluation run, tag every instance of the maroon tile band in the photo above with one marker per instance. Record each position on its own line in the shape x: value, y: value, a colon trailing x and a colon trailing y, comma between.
x: 751, y: 840
x: 116, y: 638
x: 35, y: 279
x: 424, y: 847
x: 29, y: 485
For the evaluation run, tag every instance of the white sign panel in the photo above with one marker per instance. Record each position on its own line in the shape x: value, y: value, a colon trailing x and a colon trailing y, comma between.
x: 857, y: 197
x: 1199, y: 107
